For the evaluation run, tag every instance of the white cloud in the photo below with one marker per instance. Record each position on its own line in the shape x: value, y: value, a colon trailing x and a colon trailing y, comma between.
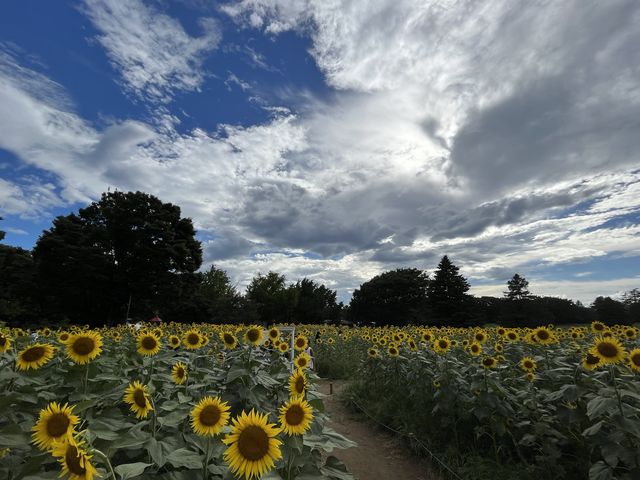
x: 151, y: 50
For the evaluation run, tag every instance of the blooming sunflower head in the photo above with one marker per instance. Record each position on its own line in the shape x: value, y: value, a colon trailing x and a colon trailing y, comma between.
x: 229, y: 340
x: 252, y: 446
x: 297, y: 384
x: 253, y: 335
x: 591, y: 362
x: 300, y: 343
x: 179, y: 373
x: 475, y: 349
x: 34, y: 356
x: 393, y: 351
x: 137, y: 396
x: 274, y: 333
x: 302, y: 360
x: 608, y: 350
x: 55, y: 424
x: 174, y: 341
x: 544, y: 336
x: 84, y: 347
x: 192, y: 340
x: 528, y: 364
x: 442, y: 345
x: 5, y: 342
x: 296, y: 416
x: 283, y: 347
x: 148, y: 344
x: 74, y: 460
x: 209, y: 416
x: 634, y: 359
x: 489, y: 362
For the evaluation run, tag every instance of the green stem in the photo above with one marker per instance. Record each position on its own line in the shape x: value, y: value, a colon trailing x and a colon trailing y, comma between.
x: 86, y: 379
x: 205, y: 465
x: 106, y: 459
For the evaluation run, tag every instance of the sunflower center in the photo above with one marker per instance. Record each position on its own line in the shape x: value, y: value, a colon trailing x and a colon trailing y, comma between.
x: 64, y: 337
x: 83, y: 345
x: 608, y: 350
x: 3, y: 341
x: 592, y: 359
x: 512, y: 336
x: 180, y: 372
x: 294, y: 415
x: 253, y: 443
x: 543, y: 335
x: 474, y: 348
x: 487, y: 362
x: 636, y: 359
x: 228, y: 339
x: 139, y: 398
x: 210, y: 415
x: 442, y: 344
x: 299, y: 343
x: 253, y: 335
x: 598, y: 326
x: 72, y: 458
x: 149, y: 343
x: 57, y: 425
x: 273, y: 333
x: 393, y: 351
x: 33, y: 354
x: 299, y: 385
x: 302, y: 361
x: 528, y: 364
x: 193, y: 339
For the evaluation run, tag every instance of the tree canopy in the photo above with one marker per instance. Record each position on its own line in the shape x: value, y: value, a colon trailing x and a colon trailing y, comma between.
x: 517, y: 288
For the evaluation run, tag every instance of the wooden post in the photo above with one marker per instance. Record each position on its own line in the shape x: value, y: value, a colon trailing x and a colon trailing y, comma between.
x: 330, y: 388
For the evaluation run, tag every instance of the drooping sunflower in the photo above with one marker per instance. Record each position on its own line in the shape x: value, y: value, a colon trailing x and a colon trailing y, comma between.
x: 297, y: 384
x: 252, y: 446
x: 34, y: 356
x: 148, y: 344
x: 5, y: 343
x: 590, y: 362
x: 296, y: 416
x: 229, y: 339
x: 528, y: 364
x: 634, y: 359
x: 179, y: 373
x: 136, y: 395
x: 55, y: 424
x: 74, y: 460
x: 192, y: 340
x: 608, y: 349
x: 302, y: 360
x: 253, y: 335
x: 300, y: 343
x: 209, y: 416
x: 84, y: 347
x: 489, y: 362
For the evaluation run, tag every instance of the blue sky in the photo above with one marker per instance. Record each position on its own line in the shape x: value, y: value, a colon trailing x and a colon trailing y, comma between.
x: 335, y: 140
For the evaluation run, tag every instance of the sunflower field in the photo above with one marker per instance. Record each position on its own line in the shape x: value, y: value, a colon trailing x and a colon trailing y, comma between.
x: 174, y: 402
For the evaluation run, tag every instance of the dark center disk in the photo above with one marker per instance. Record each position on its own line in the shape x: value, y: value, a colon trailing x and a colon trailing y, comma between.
x: 302, y: 361
x: 253, y: 335
x: 57, y: 425
x: 487, y: 362
x: 72, y: 458
x: 228, y: 339
x: 210, y: 415
x: 139, y: 398
x: 592, y: 359
x: 33, y: 354
x: 149, y: 343
x: 193, y: 339
x: 180, y: 372
x: 543, y: 334
x: 294, y: 415
x: 528, y: 365
x: 253, y: 443
x: 300, y: 343
x: 636, y: 359
x: 84, y: 345
x: 300, y: 383
x: 608, y: 350
x: 443, y: 344
x: 3, y: 341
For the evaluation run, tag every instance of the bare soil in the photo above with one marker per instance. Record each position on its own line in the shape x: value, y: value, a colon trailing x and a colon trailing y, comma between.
x: 379, y: 455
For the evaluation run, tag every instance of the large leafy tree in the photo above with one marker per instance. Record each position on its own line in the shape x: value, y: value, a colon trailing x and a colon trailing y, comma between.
x: 270, y: 298
x: 314, y: 303
x: 448, y: 292
x: 396, y: 297
x: 517, y: 288
x: 128, y: 253
x: 222, y: 302
x: 18, y: 288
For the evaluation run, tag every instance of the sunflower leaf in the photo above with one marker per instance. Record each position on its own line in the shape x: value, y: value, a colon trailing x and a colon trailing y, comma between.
x: 131, y: 470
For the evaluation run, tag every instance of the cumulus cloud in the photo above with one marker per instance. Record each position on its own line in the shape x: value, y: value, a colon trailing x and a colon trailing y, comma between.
x: 151, y: 50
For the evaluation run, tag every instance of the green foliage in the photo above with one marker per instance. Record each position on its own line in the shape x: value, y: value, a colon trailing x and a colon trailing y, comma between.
x: 517, y: 288
x: 447, y: 292
x: 18, y: 287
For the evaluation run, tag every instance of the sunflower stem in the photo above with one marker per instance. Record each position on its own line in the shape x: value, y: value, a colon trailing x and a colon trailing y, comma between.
x: 107, y: 461
x: 86, y: 380
x: 205, y: 465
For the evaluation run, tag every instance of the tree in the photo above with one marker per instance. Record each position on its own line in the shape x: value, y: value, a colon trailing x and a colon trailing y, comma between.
x: 18, y: 287
x: 314, y: 303
x: 128, y: 253
x: 269, y: 296
x: 221, y: 299
x: 396, y: 297
x: 447, y: 292
x: 1, y: 232
x: 631, y: 301
x: 609, y: 311
x: 517, y: 288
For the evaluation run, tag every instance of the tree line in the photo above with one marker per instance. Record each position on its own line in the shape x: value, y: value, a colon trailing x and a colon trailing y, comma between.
x: 131, y: 256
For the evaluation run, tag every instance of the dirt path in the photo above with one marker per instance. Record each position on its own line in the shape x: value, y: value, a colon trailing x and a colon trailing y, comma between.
x: 378, y: 456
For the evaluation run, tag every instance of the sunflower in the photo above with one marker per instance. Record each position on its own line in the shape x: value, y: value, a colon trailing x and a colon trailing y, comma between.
x: 373, y: 352
x: 590, y: 362
x: 296, y: 416
x: 192, y: 340
x: 302, y: 360
x: 174, y: 341
x: 283, y: 347
x: 480, y: 336
x: 634, y: 359
x: 297, y: 384
x: 179, y: 373
x: 330, y: 340
x: 608, y: 350
x: 489, y: 362
x: 274, y: 333
x: 531, y: 376
x: 528, y: 364
x: 34, y: 356
x: 5, y: 343
x: 393, y: 351
x: 630, y: 333
x: 84, y: 347
x: 475, y: 349
x: 427, y: 337
x: 544, y: 336
x: 252, y: 446
x: 598, y: 327
x: 512, y: 336
x: 442, y: 345
x: 229, y: 339
x: 136, y: 395
x: 300, y: 343
x: 209, y: 416
x: 63, y: 336
x: 412, y: 345
x: 253, y: 335
x: 55, y: 424
x: 74, y: 460
x: 148, y: 344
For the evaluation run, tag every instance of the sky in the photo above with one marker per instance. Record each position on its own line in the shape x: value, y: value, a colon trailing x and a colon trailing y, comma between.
x: 337, y: 139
